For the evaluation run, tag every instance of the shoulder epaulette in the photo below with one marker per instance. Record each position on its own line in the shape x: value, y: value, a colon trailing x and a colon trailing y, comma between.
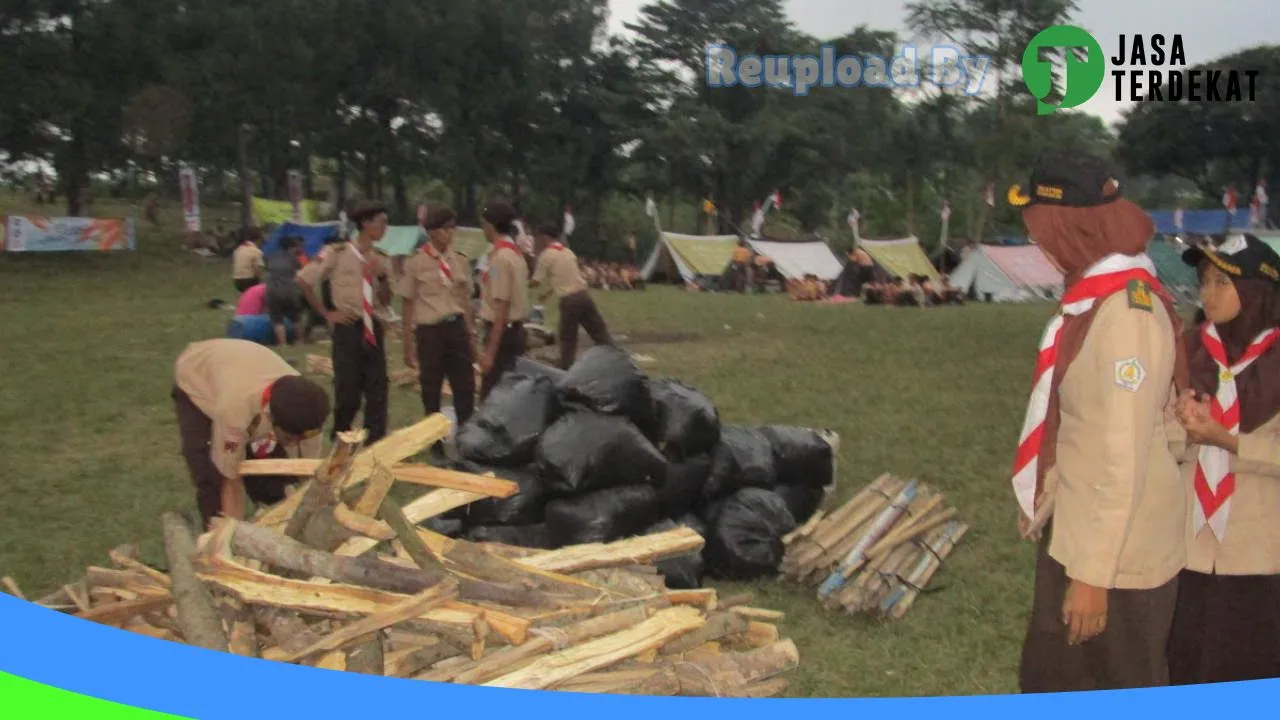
x: 1139, y: 293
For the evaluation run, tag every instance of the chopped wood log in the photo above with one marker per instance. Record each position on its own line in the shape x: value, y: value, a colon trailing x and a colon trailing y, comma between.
x: 199, y: 622
x: 242, y: 638
x: 413, y: 607
x: 407, y: 534
x: 11, y: 587
x: 333, y: 661
x: 375, y: 491
x: 362, y: 524
x: 287, y: 630
x: 758, y: 635
x: 751, y: 613
x: 321, y: 491
x: 549, y: 670
x: 130, y: 580
x: 125, y: 562
x: 118, y: 612
x: 717, y: 625
x: 79, y: 595
x: 406, y: 472
x: 137, y: 624
x: 404, y: 663
x: 705, y: 598
x: 437, y: 502
x: 365, y: 657
x: 621, y: 682
x: 598, y: 556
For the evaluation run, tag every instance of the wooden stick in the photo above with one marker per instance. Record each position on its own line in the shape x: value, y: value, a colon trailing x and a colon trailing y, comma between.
x: 916, y: 531
x: 118, y: 612
x: 391, y: 514
x: 380, y: 482
x: 557, y: 667
x: 321, y: 491
x: 596, y: 556
x: 199, y: 622
x: 405, y: 610
x: 424, y: 508
x: 717, y: 626
x: 405, y: 472
x: 362, y: 524
x: 882, y: 523
x: 945, y: 546
x: 11, y: 587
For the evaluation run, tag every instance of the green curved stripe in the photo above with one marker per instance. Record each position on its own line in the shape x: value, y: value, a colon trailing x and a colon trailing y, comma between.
x: 22, y: 698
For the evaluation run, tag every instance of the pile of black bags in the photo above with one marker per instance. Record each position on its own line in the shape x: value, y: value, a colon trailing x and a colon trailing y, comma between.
x: 602, y: 453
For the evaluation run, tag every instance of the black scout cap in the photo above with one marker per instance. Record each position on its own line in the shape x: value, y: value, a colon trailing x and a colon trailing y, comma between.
x: 1241, y: 256
x: 1067, y: 180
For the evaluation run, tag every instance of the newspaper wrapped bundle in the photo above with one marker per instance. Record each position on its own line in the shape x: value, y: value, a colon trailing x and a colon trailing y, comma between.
x: 341, y: 577
x: 876, y: 553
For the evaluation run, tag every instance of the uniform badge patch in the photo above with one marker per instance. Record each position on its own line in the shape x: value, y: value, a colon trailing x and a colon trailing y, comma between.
x: 1140, y: 295
x: 1130, y: 374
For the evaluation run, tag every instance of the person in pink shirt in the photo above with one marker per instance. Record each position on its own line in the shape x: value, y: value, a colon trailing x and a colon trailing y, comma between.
x: 253, y: 301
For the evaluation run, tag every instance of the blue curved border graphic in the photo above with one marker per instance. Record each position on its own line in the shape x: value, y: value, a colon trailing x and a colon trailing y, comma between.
x: 101, y: 662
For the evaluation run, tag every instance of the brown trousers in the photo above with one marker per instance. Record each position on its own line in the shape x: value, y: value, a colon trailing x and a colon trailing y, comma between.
x: 510, y: 348
x: 1226, y: 629
x: 579, y: 310
x: 196, y: 431
x: 445, y: 351
x: 1130, y: 653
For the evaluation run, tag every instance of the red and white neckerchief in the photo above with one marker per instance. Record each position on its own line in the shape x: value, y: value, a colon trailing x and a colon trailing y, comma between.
x: 366, y: 297
x: 263, y: 448
x: 1104, y: 279
x: 503, y: 242
x: 1214, y: 481
x: 556, y: 246
x: 446, y: 272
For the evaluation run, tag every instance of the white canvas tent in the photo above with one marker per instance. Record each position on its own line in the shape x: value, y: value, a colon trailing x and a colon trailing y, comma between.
x: 689, y: 256
x: 797, y: 259
x: 1008, y: 274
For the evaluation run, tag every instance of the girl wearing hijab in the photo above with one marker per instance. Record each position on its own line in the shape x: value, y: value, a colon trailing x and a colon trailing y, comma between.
x: 1227, y: 622
x: 1094, y: 476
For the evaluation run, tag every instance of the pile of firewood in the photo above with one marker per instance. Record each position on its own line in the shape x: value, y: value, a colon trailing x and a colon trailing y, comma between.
x: 876, y: 553
x: 341, y: 577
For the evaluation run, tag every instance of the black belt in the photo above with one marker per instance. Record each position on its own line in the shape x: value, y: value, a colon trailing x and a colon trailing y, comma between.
x: 516, y: 325
x: 456, y: 317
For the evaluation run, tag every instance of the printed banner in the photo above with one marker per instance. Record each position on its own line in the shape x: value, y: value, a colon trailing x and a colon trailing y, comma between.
x: 190, y: 198
x: 35, y: 233
x: 278, y: 212
x: 295, y: 194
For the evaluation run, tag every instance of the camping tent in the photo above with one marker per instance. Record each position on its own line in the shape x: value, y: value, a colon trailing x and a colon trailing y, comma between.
x: 797, y: 259
x: 1008, y: 273
x: 689, y: 256
x: 900, y: 258
x: 313, y: 236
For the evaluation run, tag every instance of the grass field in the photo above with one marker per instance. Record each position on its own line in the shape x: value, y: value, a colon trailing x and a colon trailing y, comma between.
x: 90, y: 447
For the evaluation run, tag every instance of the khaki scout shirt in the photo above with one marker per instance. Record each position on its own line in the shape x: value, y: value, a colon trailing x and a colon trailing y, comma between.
x: 225, y: 378
x: 345, y: 272
x: 1252, y: 542
x: 1119, y: 505
x: 247, y: 262
x: 507, y: 280
x: 558, y: 267
x: 425, y: 286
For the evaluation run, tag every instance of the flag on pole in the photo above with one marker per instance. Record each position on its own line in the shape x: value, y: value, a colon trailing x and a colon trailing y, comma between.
x: 190, y: 197
x: 569, y: 223
x: 1229, y: 200
x: 776, y: 200
x: 295, y: 194
x: 757, y: 220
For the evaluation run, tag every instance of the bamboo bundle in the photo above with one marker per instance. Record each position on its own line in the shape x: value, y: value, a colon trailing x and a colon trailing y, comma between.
x: 876, y: 553
x: 588, y: 618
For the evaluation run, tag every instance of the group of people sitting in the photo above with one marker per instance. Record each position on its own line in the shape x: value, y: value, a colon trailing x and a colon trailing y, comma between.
x: 610, y: 275
x: 914, y: 291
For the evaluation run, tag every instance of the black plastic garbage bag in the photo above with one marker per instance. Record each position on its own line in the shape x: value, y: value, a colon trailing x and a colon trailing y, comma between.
x: 801, y: 456
x: 683, y: 572
x: 745, y: 537
x: 602, y: 516
x: 523, y: 508
x: 584, y: 451
x: 527, y: 536
x: 682, y: 485
x: 504, y: 432
x: 527, y: 366
x: 802, y: 500
x: 448, y: 527
x: 743, y: 458
x: 686, y: 422
x: 607, y: 381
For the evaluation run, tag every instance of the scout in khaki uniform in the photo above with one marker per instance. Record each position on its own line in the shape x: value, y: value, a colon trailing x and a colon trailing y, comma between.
x: 504, y: 295
x: 357, y: 276
x: 557, y: 271
x: 436, y: 287
x: 237, y: 400
x: 247, y: 265
x: 1095, y: 478
x: 1226, y: 626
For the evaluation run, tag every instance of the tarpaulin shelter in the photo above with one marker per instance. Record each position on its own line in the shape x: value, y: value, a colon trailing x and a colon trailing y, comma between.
x: 1008, y: 273
x: 900, y: 258
x: 313, y: 237
x: 689, y: 257
x: 795, y: 260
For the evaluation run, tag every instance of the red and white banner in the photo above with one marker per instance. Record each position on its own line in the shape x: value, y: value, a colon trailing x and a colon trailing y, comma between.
x: 1229, y: 200
x: 776, y: 200
x: 190, y: 187
x: 295, y: 194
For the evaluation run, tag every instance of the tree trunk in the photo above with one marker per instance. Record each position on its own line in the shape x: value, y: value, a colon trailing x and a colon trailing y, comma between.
x: 199, y: 622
